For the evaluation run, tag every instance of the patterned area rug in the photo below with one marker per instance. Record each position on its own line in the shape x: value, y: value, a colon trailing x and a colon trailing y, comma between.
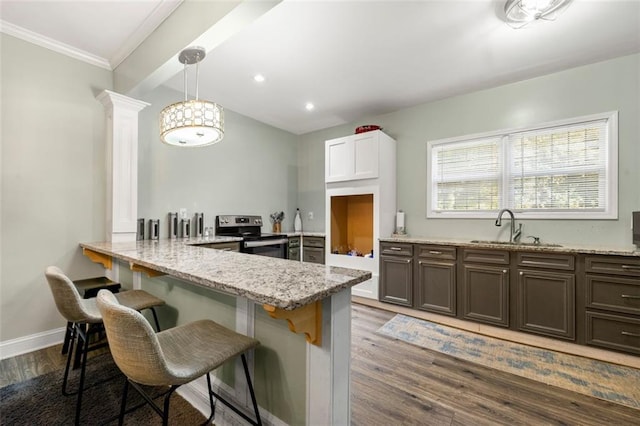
x: 599, y: 379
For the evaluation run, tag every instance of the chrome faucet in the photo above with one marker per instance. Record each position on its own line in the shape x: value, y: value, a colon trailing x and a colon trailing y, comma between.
x: 515, y: 235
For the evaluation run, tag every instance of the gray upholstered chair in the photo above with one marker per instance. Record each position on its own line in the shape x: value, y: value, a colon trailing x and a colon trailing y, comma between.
x: 172, y: 357
x: 85, y: 320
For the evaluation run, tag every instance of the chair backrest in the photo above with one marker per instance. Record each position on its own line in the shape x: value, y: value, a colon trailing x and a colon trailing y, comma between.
x: 68, y: 301
x: 133, y: 343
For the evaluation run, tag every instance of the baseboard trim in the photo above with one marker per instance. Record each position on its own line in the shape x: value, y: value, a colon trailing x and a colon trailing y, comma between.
x: 511, y: 335
x: 195, y: 393
x: 33, y: 342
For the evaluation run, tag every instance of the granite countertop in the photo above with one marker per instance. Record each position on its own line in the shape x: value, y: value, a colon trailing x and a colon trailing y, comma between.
x: 547, y: 248
x: 282, y: 283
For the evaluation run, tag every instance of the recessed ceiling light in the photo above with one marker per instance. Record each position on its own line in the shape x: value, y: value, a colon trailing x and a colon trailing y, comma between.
x: 258, y: 78
x: 309, y: 106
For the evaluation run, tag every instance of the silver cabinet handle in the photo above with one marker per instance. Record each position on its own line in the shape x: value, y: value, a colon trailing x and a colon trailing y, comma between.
x: 629, y: 296
x: 504, y: 271
x: 395, y: 248
x: 435, y: 252
x: 631, y: 267
x: 521, y: 273
x: 627, y: 333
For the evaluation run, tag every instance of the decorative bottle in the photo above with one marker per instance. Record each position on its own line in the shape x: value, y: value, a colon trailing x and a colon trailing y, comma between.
x: 297, y: 222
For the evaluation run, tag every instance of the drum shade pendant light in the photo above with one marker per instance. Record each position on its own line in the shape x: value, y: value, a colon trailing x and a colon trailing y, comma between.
x: 521, y: 12
x: 196, y: 122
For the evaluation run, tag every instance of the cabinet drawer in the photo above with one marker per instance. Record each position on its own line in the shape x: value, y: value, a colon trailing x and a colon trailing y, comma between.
x: 313, y: 242
x: 313, y: 255
x: 613, y: 332
x: 436, y: 252
x: 486, y: 256
x: 617, y: 265
x: 617, y: 294
x: 396, y: 249
x: 294, y: 242
x: 564, y: 262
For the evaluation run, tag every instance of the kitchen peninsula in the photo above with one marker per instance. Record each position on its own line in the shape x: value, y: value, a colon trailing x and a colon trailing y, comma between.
x: 314, y: 299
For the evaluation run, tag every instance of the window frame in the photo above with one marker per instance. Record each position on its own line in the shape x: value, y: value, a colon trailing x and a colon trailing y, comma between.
x: 611, y: 165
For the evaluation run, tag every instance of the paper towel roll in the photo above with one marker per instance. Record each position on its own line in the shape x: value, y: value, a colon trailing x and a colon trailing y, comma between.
x: 400, y: 221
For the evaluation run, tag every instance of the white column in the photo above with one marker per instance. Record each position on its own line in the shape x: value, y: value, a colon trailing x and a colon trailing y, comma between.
x: 122, y: 164
x: 329, y: 365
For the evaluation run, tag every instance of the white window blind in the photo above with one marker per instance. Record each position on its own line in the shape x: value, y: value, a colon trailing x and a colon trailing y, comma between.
x: 467, y: 175
x: 559, y: 168
x: 565, y: 169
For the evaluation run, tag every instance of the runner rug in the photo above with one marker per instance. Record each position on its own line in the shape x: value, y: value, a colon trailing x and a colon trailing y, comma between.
x: 611, y: 382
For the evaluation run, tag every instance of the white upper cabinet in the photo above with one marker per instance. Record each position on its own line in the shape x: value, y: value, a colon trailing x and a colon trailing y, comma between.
x: 353, y: 157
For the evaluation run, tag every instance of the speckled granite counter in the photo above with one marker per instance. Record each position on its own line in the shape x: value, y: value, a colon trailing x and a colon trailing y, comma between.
x: 278, y: 282
x: 577, y: 249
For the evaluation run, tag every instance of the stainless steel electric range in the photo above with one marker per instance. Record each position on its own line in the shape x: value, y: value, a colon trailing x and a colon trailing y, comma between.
x: 253, y: 240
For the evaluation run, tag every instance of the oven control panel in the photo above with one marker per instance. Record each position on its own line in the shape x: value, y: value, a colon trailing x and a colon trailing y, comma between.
x: 228, y: 221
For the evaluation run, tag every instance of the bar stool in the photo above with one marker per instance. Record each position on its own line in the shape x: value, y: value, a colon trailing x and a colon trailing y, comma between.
x: 86, y: 320
x: 172, y: 357
x: 88, y: 288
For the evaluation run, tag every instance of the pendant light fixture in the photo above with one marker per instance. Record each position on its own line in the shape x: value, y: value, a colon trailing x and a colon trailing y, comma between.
x: 519, y: 13
x: 196, y: 122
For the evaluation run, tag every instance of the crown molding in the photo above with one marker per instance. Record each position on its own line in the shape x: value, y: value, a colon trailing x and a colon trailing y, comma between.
x: 148, y: 26
x: 51, y: 44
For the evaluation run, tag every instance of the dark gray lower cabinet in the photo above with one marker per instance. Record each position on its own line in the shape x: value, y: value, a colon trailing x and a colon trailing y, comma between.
x: 546, y: 303
x: 313, y: 250
x: 435, y: 286
x: 396, y: 274
x: 294, y: 248
x: 486, y: 294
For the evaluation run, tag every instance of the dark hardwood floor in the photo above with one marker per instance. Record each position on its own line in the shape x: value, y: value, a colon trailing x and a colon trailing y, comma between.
x: 395, y: 383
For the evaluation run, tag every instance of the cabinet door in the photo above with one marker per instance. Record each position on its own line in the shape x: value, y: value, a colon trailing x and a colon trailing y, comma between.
x: 546, y: 303
x: 436, y: 287
x: 338, y: 160
x: 486, y: 294
x: 365, y: 156
x: 294, y: 253
x: 396, y: 276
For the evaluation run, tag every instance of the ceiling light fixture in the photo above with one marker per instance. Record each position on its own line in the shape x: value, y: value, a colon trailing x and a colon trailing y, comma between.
x: 196, y: 122
x: 309, y: 106
x: 521, y: 12
x: 258, y: 78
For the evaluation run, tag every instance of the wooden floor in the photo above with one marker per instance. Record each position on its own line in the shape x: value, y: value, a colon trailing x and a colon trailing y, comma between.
x: 395, y: 383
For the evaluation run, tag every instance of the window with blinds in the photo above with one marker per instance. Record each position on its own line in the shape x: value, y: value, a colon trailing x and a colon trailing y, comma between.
x: 564, y: 169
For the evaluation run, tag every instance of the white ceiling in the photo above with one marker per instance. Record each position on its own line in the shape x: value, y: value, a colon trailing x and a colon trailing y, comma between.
x: 352, y: 59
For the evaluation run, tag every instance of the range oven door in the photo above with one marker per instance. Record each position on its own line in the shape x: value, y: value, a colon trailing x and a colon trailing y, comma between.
x: 266, y: 247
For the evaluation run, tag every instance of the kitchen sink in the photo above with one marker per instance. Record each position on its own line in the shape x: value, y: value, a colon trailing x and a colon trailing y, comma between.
x: 507, y: 243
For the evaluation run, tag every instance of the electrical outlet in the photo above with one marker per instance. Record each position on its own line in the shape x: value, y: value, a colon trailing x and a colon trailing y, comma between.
x: 183, y: 213
x: 310, y: 214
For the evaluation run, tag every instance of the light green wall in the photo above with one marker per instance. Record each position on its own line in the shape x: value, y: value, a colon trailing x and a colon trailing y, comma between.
x: 601, y: 87
x: 252, y: 171
x: 52, y: 178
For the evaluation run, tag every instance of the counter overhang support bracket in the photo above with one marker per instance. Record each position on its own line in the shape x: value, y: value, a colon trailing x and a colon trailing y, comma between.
x: 306, y: 319
x: 94, y: 256
x: 150, y: 272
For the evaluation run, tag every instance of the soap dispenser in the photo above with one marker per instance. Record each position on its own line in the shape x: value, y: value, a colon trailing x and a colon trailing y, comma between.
x: 297, y: 222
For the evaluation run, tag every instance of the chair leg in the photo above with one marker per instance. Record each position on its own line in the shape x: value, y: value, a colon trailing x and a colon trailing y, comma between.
x: 83, y: 367
x: 123, y: 404
x: 72, y: 340
x: 81, y: 329
x: 165, y: 413
x: 213, y: 405
x: 251, y: 391
x: 155, y: 318
x: 67, y: 338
